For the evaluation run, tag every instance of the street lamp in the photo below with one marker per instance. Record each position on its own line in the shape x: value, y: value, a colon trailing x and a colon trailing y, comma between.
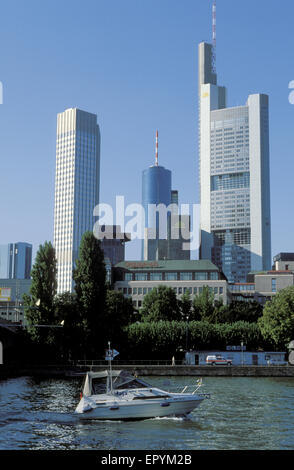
x: 187, y: 324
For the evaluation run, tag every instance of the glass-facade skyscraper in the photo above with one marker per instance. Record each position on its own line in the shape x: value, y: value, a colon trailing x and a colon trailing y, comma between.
x: 161, y: 229
x: 156, y: 189
x: 16, y: 260
x: 76, y: 187
x: 235, y: 224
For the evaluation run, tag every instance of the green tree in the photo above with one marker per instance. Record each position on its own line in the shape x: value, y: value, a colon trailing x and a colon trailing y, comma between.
x: 185, y: 304
x: 161, y: 304
x: 90, y: 287
x: 163, y: 339
x: 277, y: 321
x: 119, y: 313
x: 238, y: 311
x: 67, y: 312
x: 39, y: 305
x: 203, y: 306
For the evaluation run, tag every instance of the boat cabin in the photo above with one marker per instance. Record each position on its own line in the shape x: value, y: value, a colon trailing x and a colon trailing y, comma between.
x: 97, y: 383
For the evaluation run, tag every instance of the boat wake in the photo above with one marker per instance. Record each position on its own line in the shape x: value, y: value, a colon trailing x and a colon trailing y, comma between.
x: 38, y: 417
x: 172, y: 418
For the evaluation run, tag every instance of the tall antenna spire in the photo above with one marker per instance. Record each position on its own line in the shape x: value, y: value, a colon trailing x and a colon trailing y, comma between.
x: 156, y: 149
x: 214, y: 37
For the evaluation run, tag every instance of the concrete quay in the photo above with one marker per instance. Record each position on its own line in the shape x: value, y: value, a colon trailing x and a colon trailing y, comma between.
x: 205, y: 371
x: 149, y: 370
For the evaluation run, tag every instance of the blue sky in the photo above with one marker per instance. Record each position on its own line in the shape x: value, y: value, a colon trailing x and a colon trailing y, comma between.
x: 134, y: 64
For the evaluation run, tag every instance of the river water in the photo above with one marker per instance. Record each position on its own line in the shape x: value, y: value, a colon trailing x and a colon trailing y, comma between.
x: 242, y: 413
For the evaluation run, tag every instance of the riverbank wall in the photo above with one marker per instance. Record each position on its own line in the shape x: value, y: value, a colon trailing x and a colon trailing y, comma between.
x: 62, y: 371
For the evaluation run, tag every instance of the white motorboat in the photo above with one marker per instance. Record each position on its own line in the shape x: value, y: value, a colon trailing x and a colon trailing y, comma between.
x: 119, y: 395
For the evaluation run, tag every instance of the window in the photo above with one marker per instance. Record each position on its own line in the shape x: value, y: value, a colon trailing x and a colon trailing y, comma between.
x: 230, y: 181
x: 214, y: 276
x: 155, y: 276
x: 201, y: 276
x: 135, y: 291
x: 171, y: 276
x: 274, y: 285
x: 186, y: 276
x: 141, y: 277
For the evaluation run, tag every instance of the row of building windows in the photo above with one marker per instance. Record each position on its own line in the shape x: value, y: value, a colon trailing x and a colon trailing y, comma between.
x: 178, y: 290
x: 230, y: 181
x: 172, y: 276
x: 242, y: 287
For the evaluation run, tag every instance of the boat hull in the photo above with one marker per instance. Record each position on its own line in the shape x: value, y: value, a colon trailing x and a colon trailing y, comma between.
x: 131, y: 411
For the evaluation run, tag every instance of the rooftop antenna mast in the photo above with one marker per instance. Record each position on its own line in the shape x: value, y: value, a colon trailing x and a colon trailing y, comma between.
x: 156, y: 149
x: 213, y: 37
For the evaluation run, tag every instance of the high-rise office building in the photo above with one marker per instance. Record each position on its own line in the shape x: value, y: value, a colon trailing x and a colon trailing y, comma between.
x: 113, y: 245
x: 156, y: 190
x: 235, y: 227
x: 76, y: 187
x: 16, y: 261
x: 4, y: 261
x: 162, y: 231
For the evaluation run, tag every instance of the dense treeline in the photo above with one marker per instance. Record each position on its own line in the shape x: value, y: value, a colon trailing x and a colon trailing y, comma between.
x: 79, y: 325
x: 165, y: 339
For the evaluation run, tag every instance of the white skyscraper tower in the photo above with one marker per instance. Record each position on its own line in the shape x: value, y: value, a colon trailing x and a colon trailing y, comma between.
x: 76, y: 187
x: 234, y: 177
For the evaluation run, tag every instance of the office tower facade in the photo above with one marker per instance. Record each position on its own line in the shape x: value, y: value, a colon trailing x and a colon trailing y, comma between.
x: 178, y: 231
x: 76, y: 187
x: 113, y: 246
x: 163, y: 238
x: 4, y: 263
x: 235, y: 228
x: 16, y: 260
x: 113, y: 243
x: 156, y: 190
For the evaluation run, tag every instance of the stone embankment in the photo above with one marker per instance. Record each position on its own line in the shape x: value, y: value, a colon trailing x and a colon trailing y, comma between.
x: 208, y: 371
x: 150, y: 370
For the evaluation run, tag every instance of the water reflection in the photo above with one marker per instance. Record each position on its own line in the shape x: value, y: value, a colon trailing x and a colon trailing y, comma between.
x: 243, y: 413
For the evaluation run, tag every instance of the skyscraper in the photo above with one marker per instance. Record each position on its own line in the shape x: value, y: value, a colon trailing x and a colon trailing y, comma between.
x: 156, y: 189
x: 16, y: 261
x: 160, y: 229
x: 76, y: 187
x: 235, y: 227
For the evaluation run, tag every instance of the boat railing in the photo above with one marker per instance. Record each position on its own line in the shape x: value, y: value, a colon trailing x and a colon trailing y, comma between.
x: 191, y: 388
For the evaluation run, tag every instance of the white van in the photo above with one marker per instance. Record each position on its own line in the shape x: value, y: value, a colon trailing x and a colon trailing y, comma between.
x: 218, y: 360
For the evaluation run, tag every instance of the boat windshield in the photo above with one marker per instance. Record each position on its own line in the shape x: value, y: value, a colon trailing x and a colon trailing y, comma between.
x: 99, y: 383
x: 128, y: 382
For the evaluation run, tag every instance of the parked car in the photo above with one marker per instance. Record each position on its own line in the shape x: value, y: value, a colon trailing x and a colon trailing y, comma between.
x: 218, y: 360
